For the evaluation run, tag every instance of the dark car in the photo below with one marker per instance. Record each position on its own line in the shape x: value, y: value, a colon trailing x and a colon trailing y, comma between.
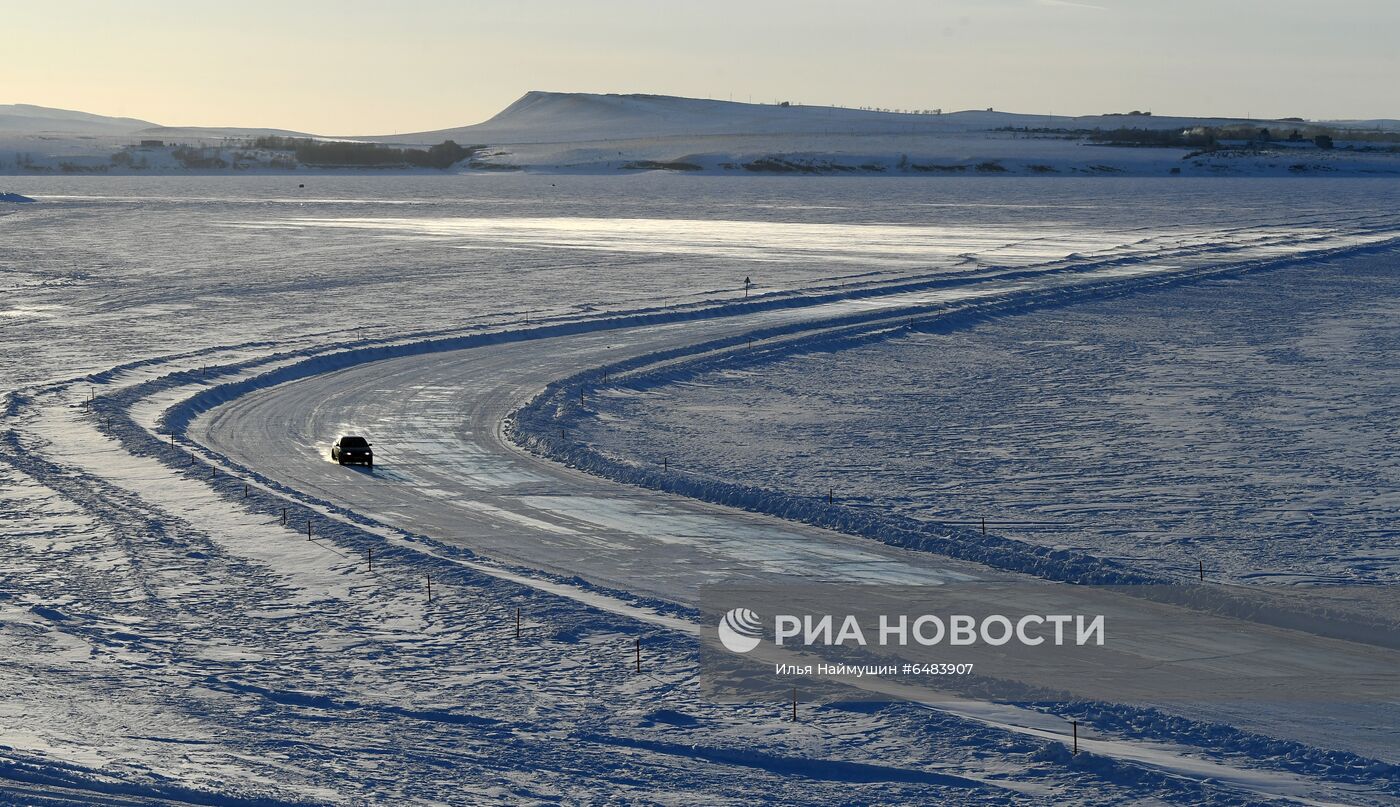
x: 350, y: 449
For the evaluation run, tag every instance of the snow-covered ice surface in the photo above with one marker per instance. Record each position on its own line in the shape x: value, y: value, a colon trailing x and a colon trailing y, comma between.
x: 1247, y: 423
x: 170, y: 641
x: 105, y: 270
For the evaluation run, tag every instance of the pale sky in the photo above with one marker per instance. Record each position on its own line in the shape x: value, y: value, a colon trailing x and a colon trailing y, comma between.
x: 351, y: 67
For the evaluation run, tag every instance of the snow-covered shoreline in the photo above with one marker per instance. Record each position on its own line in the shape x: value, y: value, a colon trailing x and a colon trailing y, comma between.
x: 586, y: 133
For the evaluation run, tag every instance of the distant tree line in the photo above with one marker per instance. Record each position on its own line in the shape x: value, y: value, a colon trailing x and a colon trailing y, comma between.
x: 1207, y: 137
x: 341, y: 153
x: 1190, y: 138
x: 192, y: 157
x: 1210, y: 137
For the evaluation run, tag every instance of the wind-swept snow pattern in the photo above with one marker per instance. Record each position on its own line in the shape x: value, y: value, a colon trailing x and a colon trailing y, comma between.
x: 197, y: 607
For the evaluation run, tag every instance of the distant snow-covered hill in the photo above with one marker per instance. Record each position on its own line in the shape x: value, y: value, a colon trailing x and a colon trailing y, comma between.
x: 27, y: 118
x: 19, y: 119
x: 215, y: 132
x: 601, y: 133
x: 552, y: 117
x: 610, y: 133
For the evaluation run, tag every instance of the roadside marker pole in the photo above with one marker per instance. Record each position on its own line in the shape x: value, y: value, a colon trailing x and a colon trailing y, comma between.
x: 984, y: 525
x: 517, y: 623
x: 1075, y: 724
x: 308, y: 529
x: 831, y: 495
x: 794, y: 704
x: 1203, y: 570
x: 245, y: 490
x: 284, y: 516
x: 371, y: 559
x: 639, y: 655
x: 430, y: 587
x: 665, y: 464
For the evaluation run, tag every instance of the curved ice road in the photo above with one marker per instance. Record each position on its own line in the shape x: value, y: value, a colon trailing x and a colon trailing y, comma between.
x: 444, y: 468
